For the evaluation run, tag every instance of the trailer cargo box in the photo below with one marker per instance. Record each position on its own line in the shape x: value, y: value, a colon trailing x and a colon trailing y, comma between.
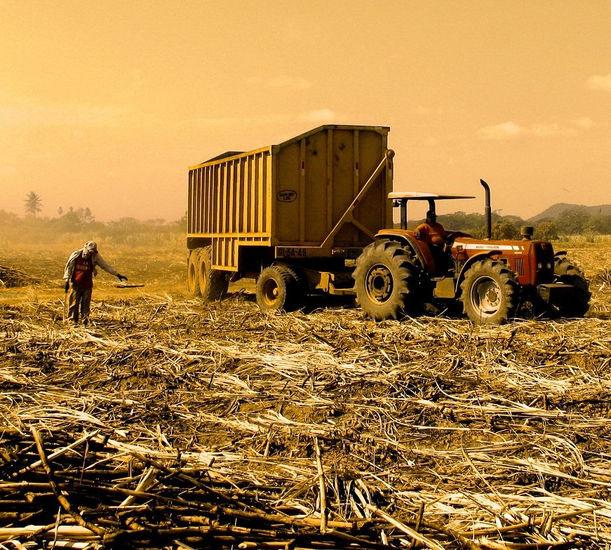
x: 294, y: 195
x: 322, y: 194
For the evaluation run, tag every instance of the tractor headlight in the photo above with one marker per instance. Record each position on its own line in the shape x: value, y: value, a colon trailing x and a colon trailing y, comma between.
x: 539, y: 265
x: 548, y: 265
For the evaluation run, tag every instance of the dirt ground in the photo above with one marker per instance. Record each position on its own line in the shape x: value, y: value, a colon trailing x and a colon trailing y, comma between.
x: 461, y: 435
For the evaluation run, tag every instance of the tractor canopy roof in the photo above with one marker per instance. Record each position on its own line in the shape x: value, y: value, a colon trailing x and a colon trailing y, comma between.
x: 412, y: 196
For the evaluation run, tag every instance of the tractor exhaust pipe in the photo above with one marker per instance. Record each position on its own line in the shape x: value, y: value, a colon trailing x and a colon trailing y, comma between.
x: 488, y: 210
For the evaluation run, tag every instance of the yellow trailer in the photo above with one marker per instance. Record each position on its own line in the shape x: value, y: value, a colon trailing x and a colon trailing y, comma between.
x: 294, y: 216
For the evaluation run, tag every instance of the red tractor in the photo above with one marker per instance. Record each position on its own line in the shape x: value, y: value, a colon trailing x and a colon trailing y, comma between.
x: 493, y: 279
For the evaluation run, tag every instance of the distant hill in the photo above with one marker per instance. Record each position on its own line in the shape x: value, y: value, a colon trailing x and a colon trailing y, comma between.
x: 556, y: 210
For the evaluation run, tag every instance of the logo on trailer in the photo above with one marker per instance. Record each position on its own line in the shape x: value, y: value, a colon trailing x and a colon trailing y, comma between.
x: 286, y: 195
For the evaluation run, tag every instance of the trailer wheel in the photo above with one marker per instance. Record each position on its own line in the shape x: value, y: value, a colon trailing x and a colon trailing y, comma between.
x: 489, y: 292
x: 278, y: 289
x: 192, y: 273
x: 579, y: 302
x: 212, y: 283
x: 387, y: 281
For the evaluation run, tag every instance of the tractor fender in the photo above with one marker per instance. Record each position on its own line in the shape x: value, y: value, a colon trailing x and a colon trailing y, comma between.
x: 409, y: 241
x: 477, y: 258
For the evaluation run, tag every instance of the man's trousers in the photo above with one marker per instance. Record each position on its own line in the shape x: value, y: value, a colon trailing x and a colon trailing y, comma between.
x: 79, y: 302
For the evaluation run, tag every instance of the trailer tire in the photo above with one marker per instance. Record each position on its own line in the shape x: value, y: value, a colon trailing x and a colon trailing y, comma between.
x: 579, y: 303
x: 387, y: 281
x: 279, y: 288
x: 192, y: 274
x: 212, y: 283
x: 489, y: 292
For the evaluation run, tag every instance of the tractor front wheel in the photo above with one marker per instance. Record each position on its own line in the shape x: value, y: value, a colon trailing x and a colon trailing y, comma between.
x: 489, y: 292
x: 387, y: 281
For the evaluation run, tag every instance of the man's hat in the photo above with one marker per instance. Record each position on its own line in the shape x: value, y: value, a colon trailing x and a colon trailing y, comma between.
x: 91, y: 246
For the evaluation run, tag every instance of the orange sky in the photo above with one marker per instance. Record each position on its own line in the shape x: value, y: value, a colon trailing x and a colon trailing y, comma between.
x: 104, y: 104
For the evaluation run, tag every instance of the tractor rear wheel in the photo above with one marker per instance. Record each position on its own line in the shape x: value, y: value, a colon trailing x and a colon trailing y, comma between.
x: 489, y: 292
x: 212, y: 283
x: 387, y: 281
x: 579, y: 302
x: 279, y: 289
x: 192, y: 276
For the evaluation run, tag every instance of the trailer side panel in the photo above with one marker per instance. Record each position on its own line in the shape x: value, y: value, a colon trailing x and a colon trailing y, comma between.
x: 292, y: 195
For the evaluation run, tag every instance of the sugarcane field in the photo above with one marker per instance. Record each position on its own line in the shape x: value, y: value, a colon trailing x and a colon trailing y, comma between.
x: 168, y: 422
x: 319, y: 275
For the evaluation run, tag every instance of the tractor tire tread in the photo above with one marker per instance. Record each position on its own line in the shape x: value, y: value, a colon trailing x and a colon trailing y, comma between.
x: 507, y: 284
x: 404, y: 299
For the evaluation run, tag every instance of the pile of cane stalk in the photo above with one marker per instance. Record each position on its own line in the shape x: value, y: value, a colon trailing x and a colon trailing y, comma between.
x: 171, y: 424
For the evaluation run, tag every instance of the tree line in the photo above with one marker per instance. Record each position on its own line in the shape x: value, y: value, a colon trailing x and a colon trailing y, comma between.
x: 80, y: 223
x: 572, y: 221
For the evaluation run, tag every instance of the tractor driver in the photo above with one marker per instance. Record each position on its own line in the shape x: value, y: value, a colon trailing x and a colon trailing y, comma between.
x: 430, y: 231
x: 435, y: 235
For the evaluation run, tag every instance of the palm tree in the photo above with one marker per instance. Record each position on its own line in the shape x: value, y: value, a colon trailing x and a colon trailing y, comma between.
x: 33, y: 203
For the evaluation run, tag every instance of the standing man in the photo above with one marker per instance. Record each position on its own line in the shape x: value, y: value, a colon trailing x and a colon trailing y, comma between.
x: 78, y: 274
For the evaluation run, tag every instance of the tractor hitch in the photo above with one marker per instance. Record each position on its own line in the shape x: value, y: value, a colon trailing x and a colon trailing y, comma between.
x: 552, y: 293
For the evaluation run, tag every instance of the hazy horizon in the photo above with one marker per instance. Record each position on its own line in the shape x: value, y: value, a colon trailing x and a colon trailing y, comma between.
x: 106, y: 105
